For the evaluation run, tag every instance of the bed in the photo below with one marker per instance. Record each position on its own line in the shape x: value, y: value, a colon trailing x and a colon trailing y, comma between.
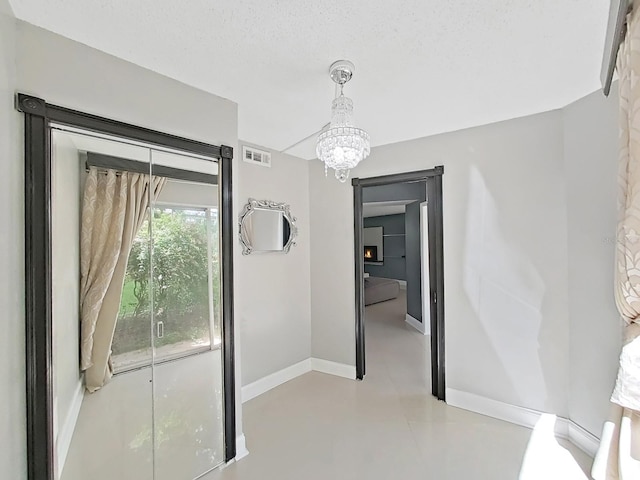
x: 378, y: 290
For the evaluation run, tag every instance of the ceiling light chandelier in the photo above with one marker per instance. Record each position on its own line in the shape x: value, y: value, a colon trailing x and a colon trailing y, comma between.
x: 342, y: 146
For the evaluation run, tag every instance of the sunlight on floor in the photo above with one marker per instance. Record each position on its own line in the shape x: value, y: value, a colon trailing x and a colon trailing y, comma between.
x: 546, y: 458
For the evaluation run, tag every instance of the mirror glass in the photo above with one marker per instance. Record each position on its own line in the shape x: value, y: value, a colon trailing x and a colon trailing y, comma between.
x: 136, y: 310
x: 266, y: 230
x: 185, y: 305
x: 266, y: 227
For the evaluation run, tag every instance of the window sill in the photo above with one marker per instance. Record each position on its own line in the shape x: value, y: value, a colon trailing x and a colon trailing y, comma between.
x: 166, y: 359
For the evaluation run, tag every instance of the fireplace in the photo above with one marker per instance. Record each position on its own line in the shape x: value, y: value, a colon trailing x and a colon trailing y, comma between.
x: 370, y: 253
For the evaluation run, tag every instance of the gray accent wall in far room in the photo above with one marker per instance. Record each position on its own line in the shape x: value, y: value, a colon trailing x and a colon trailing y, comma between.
x: 393, y: 262
x: 394, y: 192
x: 413, y: 259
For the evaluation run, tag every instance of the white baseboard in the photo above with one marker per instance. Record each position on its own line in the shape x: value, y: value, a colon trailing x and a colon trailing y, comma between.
x: 241, y: 452
x: 241, y: 447
x: 492, y: 408
x: 333, y: 368
x: 415, y: 323
x: 65, y: 435
x: 265, y: 384
x: 586, y: 441
x: 564, y: 428
x: 403, y: 284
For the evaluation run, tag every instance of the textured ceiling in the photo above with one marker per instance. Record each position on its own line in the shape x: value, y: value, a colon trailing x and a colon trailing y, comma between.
x: 422, y: 66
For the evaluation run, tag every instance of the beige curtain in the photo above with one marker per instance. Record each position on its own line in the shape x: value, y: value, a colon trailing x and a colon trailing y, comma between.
x: 618, y: 457
x: 113, y: 209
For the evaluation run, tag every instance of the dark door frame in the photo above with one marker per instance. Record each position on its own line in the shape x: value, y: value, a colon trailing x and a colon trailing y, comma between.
x: 433, y: 178
x: 38, y: 116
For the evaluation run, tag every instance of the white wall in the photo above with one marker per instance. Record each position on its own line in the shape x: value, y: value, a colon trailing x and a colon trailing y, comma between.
x: 591, y: 157
x: 505, y: 253
x: 65, y: 268
x: 12, y: 369
x: 273, y: 301
x: 73, y: 75
x: 424, y: 268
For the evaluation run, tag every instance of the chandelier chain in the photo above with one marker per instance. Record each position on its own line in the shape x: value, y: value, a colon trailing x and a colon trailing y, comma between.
x: 342, y: 146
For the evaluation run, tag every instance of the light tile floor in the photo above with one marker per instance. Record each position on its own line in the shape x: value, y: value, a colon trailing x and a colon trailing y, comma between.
x: 113, y: 438
x: 388, y: 426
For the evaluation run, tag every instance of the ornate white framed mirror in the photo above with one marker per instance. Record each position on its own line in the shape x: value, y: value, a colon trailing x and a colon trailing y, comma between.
x: 267, y: 226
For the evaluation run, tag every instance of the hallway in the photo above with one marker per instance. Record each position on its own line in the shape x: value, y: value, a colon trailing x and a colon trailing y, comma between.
x: 321, y: 427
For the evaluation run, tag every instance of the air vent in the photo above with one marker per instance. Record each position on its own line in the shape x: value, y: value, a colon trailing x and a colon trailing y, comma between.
x: 255, y: 156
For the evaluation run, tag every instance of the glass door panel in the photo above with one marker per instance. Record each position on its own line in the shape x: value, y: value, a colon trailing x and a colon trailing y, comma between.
x: 186, y: 340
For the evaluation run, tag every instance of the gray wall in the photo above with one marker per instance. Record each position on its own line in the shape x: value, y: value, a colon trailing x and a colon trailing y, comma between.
x: 591, y: 157
x: 273, y: 304
x: 511, y: 315
x: 414, y: 258
x: 73, y: 75
x: 505, y: 237
x: 529, y: 229
x: 12, y: 369
x: 394, y: 192
x: 332, y: 281
x: 394, y: 263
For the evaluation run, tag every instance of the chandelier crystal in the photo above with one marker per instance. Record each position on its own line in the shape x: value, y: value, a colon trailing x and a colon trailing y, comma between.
x: 342, y: 146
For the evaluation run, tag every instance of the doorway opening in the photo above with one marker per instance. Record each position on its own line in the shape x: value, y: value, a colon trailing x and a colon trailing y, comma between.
x: 398, y: 246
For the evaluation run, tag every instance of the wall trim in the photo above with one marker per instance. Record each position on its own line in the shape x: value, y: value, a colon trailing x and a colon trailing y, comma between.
x: 263, y: 385
x: 65, y: 436
x: 403, y: 284
x: 241, y: 447
x: 333, y: 368
x: 525, y: 417
x: 415, y: 323
x: 252, y: 390
x: 584, y: 440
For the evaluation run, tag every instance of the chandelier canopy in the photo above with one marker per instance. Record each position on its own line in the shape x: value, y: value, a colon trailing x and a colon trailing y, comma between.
x: 342, y: 146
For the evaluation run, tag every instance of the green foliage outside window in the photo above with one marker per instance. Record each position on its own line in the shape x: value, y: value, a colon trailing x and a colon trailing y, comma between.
x: 180, y: 281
